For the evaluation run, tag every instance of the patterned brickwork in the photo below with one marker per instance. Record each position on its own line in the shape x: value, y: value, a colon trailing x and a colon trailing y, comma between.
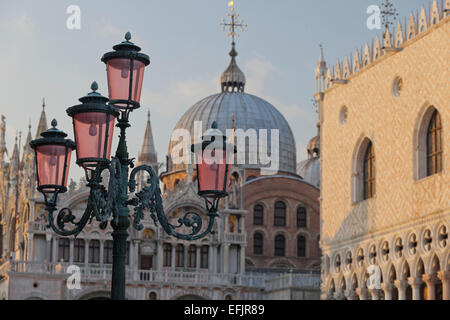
x: 389, y: 121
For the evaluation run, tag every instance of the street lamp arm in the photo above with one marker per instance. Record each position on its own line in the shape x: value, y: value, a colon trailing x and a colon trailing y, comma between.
x: 149, y: 198
x: 66, y: 217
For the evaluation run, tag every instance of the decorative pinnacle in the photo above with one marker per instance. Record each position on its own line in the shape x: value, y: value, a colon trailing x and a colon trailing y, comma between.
x: 94, y: 86
x: 214, y: 125
x: 54, y: 123
x: 128, y: 36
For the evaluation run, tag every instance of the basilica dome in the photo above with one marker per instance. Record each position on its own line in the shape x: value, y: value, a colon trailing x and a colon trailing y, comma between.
x: 235, y: 109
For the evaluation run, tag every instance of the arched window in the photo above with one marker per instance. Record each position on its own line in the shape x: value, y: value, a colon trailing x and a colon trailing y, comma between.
x: 64, y: 249
x: 192, y: 256
x: 204, y: 257
x: 434, y: 145
x: 167, y: 255
x: 301, y: 217
x: 280, y: 246
x: 94, y: 251
x: 108, y: 252
x: 78, y: 252
x: 280, y: 214
x: 258, y: 215
x: 369, y: 173
x: 180, y: 256
x: 258, y: 244
x: 301, y: 246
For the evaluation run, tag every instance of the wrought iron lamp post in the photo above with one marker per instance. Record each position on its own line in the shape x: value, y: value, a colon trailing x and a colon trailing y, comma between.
x: 94, y: 120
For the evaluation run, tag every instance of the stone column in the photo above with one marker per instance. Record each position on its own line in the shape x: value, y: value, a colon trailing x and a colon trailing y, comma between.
x: 226, y: 223
x: 430, y: 281
x: 242, y: 260
x: 185, y: 256
x: 55, y: 250
x: 211, y: 259
x: 226, y: 262
x: 135, y: 256
x: 362, y: 293
x: 86, y: 252
x: 160, y: 255
x: 444, y: 276
x: 214, y: 259
x: 29, y: 247
x: 101, y: 253
x: 415, y: 284
x: 71, y: 243
x: 173, y: 260
x: 401, y: 287
x: 198, y: 257
x: 48, y: 238
x: 387, y: 288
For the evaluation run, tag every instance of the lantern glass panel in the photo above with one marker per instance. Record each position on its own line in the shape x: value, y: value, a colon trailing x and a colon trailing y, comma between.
x: 90, y: 134
x: 50, y: 162
x: 211, y: 171
x: 119, y: 71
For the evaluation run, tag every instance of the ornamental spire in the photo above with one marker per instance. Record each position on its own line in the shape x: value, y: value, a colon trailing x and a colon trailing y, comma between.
x: 42, y: 126
x: 148, y: 153
x: 233, y: 79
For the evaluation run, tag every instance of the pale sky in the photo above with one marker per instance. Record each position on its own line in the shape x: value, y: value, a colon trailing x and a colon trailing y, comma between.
x: 40, y: 57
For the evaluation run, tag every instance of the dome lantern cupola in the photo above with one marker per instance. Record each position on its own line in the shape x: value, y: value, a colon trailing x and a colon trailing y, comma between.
x: 233, y: 79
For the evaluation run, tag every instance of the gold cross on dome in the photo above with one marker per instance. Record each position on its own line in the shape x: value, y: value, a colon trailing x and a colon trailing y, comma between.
x: 234, y: 25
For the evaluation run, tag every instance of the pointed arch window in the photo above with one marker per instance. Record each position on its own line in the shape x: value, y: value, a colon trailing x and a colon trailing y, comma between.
x: 258, y: 215
x: 301, y: 246
x: 258, y: 244
x: 369, y: 172
x: 434, y: 144
x: 280, y: 214
x: 280, y: 246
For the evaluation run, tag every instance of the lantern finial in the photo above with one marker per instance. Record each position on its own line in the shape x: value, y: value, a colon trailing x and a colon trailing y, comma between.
x: 128, y: 36
x: 54, y: 123
x: 94, y: 86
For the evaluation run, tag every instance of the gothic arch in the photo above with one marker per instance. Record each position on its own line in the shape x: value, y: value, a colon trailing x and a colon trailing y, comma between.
x: 420, y: 140
x: 357, y: 174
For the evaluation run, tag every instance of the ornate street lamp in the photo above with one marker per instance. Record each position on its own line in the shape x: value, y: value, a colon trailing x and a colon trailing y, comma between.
x: 52, y: 156
x: 213, y: 158
x: 93, y: 122
x: 125, y: 67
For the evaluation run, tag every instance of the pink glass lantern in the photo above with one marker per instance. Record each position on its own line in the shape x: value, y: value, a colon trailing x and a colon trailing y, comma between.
x: 93, y: 123
x: 214, y: 157
x: 125, y: 68
x: 53, y: 153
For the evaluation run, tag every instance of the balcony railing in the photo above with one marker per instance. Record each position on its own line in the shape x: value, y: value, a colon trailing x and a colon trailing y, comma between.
x: 37, y: 226
x: 235, y: 237
x: 104, y: 273
x: 309, y: 280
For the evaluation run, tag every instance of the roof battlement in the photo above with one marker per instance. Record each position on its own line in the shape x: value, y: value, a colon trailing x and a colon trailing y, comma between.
x: 418, y: 24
